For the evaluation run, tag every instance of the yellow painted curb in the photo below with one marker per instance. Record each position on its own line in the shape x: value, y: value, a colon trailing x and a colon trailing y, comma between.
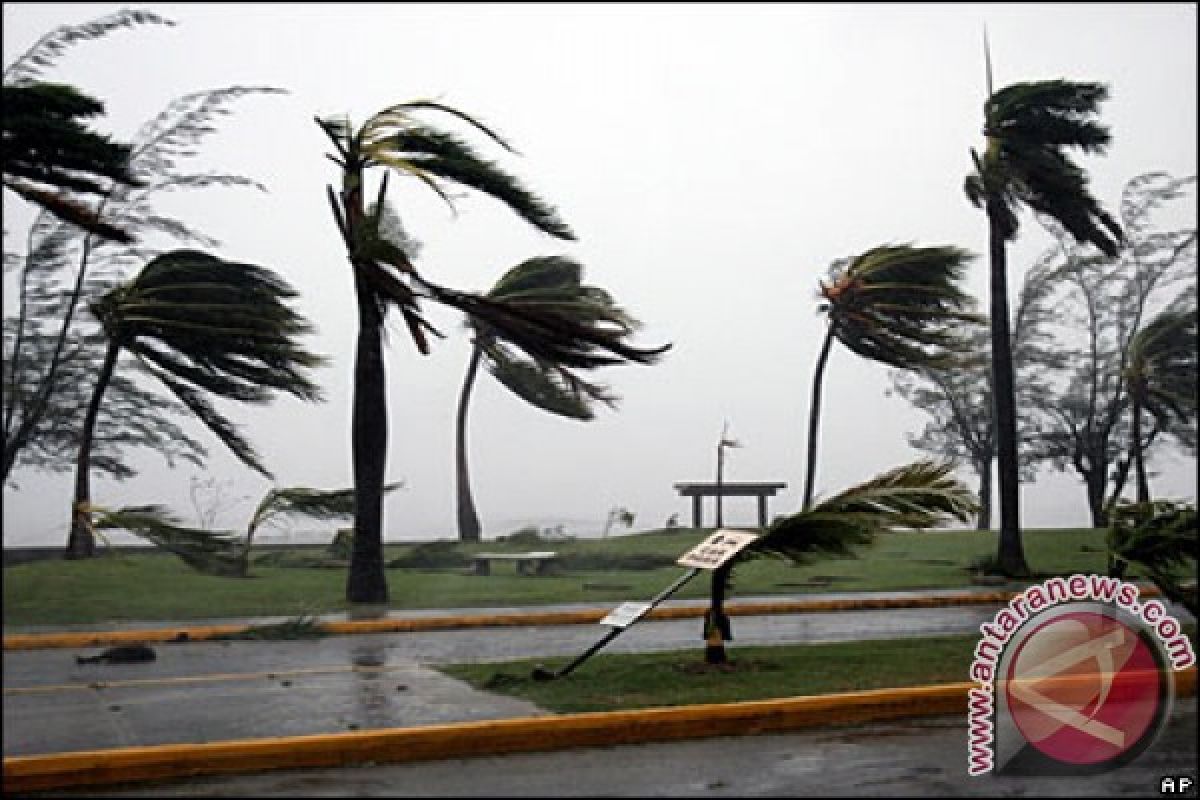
x: 490, y: 737
x: 37, y: 641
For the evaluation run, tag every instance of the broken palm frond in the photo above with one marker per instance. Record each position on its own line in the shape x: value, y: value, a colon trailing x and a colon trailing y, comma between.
x: 211, y: 552
x: 302, y: 627
x: 321, y: 504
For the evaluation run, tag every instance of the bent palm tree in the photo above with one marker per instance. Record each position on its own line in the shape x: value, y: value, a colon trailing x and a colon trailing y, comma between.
x: 894, y: 304
x: 544, y: 283
x: 1027, y: 126
x: 916, y: 496
x: 199, y: 325
x: 384, y: 277
x: 1161, y: 379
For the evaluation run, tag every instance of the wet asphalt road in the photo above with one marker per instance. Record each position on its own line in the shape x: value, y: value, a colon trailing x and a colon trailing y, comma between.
x: 215, y: 690
x: 210, y: 691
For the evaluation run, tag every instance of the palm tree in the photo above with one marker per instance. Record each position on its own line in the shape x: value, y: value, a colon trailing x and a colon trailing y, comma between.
x: 1161, y: 379
x: 549, y: 282
x: 895, y: 304
x: 916, y: 496
x: 199, y: 325
x: 1028, y: 126
x: 384, y: 277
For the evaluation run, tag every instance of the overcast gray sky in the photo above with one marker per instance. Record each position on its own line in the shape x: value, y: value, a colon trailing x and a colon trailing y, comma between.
x: 713, y: 159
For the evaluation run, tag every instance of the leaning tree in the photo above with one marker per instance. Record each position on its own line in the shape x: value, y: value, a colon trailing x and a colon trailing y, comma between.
x: 397, y: 139
x: 201, y: 326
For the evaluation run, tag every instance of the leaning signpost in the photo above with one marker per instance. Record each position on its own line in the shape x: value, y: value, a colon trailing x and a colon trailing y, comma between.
x: 713, y: 552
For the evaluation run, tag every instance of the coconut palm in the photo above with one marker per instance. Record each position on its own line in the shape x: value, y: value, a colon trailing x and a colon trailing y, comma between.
x: 385, y: 277
x: 1028, y: 126
x: 916, y: 496
x: 199, y: 325
x: 549, y: 282
x: 1161, y: 380
x: 895, y: 304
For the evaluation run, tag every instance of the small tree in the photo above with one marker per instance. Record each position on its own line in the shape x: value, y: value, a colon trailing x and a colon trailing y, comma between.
x: 894, y: 304
x: 550, y: 282
x: 1161, y: 380
x: 919, y: 495
x: 199, y: 325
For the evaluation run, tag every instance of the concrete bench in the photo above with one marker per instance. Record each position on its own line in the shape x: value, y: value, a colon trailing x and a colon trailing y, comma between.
x: 535, y: 563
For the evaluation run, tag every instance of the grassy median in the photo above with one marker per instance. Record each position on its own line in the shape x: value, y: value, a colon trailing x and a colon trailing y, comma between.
x: 158, y: 586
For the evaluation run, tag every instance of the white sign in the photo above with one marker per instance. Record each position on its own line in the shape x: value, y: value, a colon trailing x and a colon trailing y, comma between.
x: 625, y: 614
x: 716, y: 549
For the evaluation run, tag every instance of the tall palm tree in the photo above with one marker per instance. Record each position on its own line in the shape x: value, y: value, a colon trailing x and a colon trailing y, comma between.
x: 1161, y: 380
x: 1027, y: 127
x: 895, y: 304
x: 199, y: 325
x: 916, y: 496
x: 384, y: 277
x: 548, y: 282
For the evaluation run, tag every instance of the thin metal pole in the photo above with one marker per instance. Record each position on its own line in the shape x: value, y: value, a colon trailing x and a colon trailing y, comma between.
x: 542, y: 674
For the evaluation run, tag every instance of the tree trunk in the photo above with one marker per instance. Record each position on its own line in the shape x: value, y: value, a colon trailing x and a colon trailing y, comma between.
x: 81, y: 541
x: 468, y: 519
x: 1011, y: 554
x: 1139, y: 455
x: 1094, y: 482
x: 366, y: 581
x: 814, y: 418
x: 983, y: 521
x: 716, y: 624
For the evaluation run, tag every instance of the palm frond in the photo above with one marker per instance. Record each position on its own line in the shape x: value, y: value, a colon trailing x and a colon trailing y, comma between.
x: 1159, y: 537
x: 1028, y: 125
x: 322, y: 504
x: 211, y: 552
x: 1163, y: 366
x: 899, y: 304
x: 395, y: 138
x: 46, y: 51
x: 919, y: 495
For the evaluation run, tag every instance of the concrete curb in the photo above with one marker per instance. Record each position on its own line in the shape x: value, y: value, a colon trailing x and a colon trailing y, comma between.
x: 36, y: 641
x: 490, y: 737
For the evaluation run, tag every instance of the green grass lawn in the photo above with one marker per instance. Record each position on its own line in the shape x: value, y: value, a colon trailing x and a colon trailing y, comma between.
x: 158, y: 586
x: 613, y: 682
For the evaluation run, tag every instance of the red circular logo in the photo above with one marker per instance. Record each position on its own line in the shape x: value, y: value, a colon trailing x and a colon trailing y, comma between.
x: 1085, y: 689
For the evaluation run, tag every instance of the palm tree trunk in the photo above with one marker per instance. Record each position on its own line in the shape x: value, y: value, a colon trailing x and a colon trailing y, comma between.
x: 1011, y: 554
x: 1139, y: 455
x: 814, y: 418
x: 468, y: 519
x: 81, y: 541
x: 366, y: 581
x: 716, y: 624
